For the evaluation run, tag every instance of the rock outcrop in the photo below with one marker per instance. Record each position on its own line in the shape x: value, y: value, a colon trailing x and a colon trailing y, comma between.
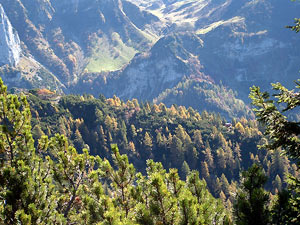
x: 10, y: 49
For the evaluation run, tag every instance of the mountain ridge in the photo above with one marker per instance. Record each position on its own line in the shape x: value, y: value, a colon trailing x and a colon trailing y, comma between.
x: 138, y: 49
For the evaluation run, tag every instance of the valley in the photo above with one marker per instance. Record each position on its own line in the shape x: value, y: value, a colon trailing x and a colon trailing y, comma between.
x: 149, y: 112
x: 139, y: 49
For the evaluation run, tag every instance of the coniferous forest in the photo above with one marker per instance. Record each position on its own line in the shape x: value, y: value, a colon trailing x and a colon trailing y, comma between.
x: 79, y: 176
x: 86, y: 159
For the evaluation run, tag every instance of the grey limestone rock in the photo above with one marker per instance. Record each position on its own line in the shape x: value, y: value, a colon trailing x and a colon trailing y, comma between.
x: 10, y: 48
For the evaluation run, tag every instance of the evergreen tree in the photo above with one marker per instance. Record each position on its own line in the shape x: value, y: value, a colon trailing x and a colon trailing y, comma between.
x: 78, y: 141
x: 37, y: 132
x: 197, y: 138
x: 185, y: 169
x: 221, y: 158
x: 176, y: 151
x: 148, y: 145
x: 284, y: 134
x: 251, y: 204
x: 239, y: 129
x: 54, y: 184
x: 102, y: 138
x: 225, y: 185
x: 159, y: 139
x: 277, y: 183
x: 283, y: 211
x: 27, y: 195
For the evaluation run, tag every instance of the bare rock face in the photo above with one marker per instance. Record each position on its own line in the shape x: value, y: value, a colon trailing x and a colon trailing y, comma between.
x: 10, y: 49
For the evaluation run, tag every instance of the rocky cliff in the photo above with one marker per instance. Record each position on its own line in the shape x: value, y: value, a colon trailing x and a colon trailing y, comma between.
x: 9, y: 41
x: 72, y: 38
x: 166, y: 64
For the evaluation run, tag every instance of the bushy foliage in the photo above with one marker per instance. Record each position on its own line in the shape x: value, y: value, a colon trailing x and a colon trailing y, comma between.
x: 251, y: 206
x: 175, y: 136
x: 49, y: 182
x: 283, y: 133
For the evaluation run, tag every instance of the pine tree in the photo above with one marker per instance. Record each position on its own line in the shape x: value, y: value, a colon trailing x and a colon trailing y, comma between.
x: 277, y: 183
x: 78, y: 141
x: 51, y: 183
x: 131, y: 146
x: 239, y: 129
x: 136, y: 103
x: 225, y: 185
x: 25, y: 197
x: 222, y: 196
x: 283, y: 134
x: 109, y: 123
x: 102, y: 138
x: 159, y: 139
x: 251, y: 206
x: 221, y: 159
x: 163, y: 108
x: 206, y: 203
x: 284, y: 211
x: 185, y: 169
x: 180, y: 133
x: 220, y: 140
x: 123, y: 133
x: 176, y: 151
x: 37, y: 132
x: 122, y: 180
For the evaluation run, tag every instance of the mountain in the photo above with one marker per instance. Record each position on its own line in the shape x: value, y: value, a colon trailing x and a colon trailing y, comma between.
x: 74, y: 37
x: 253, y: 47
x: 17, y: 67
x: 209, y: 96
x: 162, y: 67
x: 143, y: 49
x: 244, y: 42
x: 169, y: 64
x: 234, y: 42
x: 166, y: 81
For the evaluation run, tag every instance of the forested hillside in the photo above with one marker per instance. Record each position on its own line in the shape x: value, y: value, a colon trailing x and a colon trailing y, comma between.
x: 144, y: 49
x: 177, y: 137
x: 46, y: 181
x: 138, y: 112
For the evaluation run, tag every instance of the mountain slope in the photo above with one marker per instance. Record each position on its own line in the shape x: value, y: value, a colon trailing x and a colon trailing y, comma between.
x: 245, y: 42
x: 255, y: 48
x: 70, y: 37
x: 202, y: 95
x: 156, y: 74
x: 138, y: 49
